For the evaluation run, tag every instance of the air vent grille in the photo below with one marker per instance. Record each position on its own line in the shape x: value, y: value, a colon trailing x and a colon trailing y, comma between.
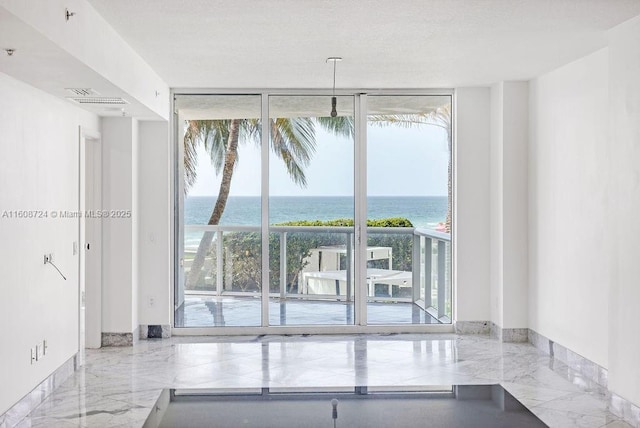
x: 99, y: 100
x: 82, y: 92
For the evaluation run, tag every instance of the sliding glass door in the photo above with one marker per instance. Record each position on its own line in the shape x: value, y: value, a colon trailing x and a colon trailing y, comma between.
x: 290, y: 217
x: 221, y: 211
x: 408, y: 195
x: 311, y: 211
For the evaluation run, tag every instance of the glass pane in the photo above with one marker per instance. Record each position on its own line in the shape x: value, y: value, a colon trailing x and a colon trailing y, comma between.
x: 409, y: 209
x: 220, y: 137
x: 311, y: 211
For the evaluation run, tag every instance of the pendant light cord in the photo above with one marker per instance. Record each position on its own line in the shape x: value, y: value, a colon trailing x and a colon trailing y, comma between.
x: 334, y: 77
x: 334, y: 102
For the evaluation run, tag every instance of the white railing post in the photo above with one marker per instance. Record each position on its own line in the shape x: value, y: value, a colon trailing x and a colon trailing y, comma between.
x: 283, y: 265
x: 219, y: 264
x: 415, y: 269
x: 428, y: 271
x: 442, y: 289
x: 349, y: 257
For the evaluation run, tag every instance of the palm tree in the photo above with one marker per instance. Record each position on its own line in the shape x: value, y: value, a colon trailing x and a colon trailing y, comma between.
x: 438, y: 116
x: 292, y: 140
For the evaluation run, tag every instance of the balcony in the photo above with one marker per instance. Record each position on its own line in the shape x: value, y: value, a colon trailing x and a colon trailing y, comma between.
x: 312, y: 277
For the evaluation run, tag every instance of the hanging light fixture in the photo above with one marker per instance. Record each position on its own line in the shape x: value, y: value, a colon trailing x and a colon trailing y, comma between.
x: 334, y: 101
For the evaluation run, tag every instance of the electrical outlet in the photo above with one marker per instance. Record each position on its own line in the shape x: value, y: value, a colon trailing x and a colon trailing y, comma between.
x: 46, y: 259
x: 33, y: 355
x: 151, y: 301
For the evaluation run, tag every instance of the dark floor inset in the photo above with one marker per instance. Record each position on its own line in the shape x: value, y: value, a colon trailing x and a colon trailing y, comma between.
x: 213, y: 311
x: 473, y: 406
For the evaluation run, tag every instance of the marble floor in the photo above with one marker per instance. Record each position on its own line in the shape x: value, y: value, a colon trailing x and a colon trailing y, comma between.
x: 211, y: 311
x: 117, y: 387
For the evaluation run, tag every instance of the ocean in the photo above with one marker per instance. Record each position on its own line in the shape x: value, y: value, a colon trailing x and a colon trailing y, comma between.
x: 422, y: 211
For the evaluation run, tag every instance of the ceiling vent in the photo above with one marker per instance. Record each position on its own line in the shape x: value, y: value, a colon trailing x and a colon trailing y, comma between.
x: 99, y: 100
x: 82, y: 92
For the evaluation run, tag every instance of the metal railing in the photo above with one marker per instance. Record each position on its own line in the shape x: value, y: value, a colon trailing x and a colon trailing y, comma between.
x: 439, y: 279
x: 430, y: 263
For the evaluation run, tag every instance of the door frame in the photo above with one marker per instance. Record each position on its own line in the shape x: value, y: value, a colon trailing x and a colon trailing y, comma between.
x: 89, y: 292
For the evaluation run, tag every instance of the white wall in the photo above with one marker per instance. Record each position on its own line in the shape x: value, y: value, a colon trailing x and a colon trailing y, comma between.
x: 472, y: 204
x: 508, y: 204
x: 154, y: 213
x: 135, y: 222
x: 515, y: 143
x: 496, y: 203
x: 623, y: 217
x: 136, y: 258
x: 119, y: 277
x: 569, y: 230
x: 38, y: 171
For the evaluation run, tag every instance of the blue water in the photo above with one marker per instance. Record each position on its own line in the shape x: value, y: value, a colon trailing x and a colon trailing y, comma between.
x: 422, y: 211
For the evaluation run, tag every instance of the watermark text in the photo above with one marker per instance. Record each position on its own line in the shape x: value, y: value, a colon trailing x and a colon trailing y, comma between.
x: 63, y: 214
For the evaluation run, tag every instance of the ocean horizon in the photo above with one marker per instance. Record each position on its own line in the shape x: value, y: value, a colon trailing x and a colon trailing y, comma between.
x: 422, y: 211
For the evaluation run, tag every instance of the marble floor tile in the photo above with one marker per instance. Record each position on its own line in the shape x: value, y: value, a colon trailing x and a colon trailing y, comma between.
x: 568, y: 418
x: 48, y: 423
x: 578, y: 402
x: 534, y: 393
x: 118, y: 386
x: 618, y: 424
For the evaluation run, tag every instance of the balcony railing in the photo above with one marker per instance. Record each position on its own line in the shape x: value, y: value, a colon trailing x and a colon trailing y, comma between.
x: 409, y: 265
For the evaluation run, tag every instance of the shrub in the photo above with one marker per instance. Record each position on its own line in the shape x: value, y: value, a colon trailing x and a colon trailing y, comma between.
x: 383, y: 222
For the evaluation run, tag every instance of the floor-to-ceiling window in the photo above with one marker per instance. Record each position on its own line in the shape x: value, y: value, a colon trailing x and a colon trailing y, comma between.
x: 289, y: 216
x: 408, y: 196
x: 311, y: 211
x: 220, y: 261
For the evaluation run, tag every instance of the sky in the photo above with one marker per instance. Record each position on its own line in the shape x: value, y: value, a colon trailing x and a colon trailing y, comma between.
x: 400, y: 162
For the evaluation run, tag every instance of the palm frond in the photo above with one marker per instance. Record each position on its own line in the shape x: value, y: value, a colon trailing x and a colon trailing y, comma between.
x: 190, y: 145
x: 214, y: 135
x: 293, y: 140
x: 439, y: 116
x: 340, y: 125
x: 251, y: 130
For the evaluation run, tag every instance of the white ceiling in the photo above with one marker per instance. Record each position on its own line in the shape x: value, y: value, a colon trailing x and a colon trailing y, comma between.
x: 384, y: 43
x: 41, y: 63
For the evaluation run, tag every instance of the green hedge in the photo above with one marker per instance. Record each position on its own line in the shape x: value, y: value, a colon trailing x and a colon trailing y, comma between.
x: 383, y: 222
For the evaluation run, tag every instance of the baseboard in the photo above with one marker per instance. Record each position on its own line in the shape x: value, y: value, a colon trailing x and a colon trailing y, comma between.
x: 472, y: 327
x: 587, y: 368
x: 590, y: 371
x: 509, y: 335
x: 624, y: 409
x: 29, y: 402
x: 158, y: 331
x: 120, y: 339
x: 520, y: 335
